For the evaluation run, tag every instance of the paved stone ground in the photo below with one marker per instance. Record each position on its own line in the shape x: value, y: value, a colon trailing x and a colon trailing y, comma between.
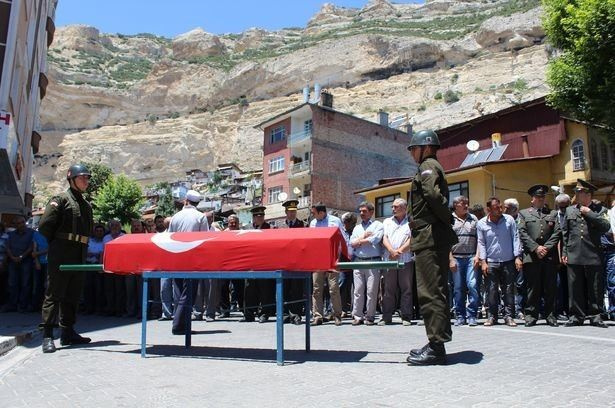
x: 233, y: 364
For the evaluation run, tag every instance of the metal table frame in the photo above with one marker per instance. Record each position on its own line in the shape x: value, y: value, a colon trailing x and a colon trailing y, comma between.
x: 279, y: 277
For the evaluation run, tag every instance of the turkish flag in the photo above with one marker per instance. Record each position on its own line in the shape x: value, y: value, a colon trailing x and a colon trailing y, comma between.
x: 296, y: 249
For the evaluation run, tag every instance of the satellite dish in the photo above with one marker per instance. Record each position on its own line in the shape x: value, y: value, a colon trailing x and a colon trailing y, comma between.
x: 472, y: 145
x: 297, y: 190
x: 282, y: 196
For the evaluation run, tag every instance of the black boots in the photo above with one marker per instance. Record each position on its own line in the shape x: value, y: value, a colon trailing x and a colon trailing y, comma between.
x: 430, y: 354
x: 48, y: 346
x: 70, y: 337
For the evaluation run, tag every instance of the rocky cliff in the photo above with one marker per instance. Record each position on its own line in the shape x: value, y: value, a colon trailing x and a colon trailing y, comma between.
x: 153, y: 107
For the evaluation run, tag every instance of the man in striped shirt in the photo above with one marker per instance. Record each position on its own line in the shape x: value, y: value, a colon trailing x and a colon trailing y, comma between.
x: 464, y: 262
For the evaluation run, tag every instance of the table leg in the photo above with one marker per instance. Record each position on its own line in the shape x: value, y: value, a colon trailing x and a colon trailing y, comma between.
x: 188, y: 313
x: 279, y: 319
x: 144, y: 317
x: 308, y: 310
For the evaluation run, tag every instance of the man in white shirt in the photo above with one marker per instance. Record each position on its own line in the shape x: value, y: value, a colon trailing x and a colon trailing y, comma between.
x: 322, y: 219
x: 189, y: 219
x: 366, y: 242
x: 396, y: 242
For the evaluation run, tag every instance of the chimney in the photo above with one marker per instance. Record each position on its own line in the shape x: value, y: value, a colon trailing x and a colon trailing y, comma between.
x: 383, y: 118
x: 496, y: 139
x: 317, y: 89
x: 409, y: 129
x: 306, y: 94
x: 526, y: 146
x: 326, y: 99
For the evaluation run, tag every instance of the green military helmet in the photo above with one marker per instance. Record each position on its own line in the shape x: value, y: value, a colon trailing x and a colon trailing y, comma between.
x: 77, y: 170
x: 424, y: 138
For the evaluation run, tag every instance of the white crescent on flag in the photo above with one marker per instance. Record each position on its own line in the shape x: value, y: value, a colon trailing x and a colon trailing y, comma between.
x: 163, y: 240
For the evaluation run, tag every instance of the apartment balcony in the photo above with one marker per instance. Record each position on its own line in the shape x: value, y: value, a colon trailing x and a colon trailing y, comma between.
x: 304, y: 202
x: 299, y: 140
x: 299, y: 169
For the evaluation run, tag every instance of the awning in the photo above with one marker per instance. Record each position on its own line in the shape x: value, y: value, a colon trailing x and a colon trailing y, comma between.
x: 296, y: 249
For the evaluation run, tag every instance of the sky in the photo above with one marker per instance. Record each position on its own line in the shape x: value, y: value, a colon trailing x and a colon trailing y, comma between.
x: 170, y: 18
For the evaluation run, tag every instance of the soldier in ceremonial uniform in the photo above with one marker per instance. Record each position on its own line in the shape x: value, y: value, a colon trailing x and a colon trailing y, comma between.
x: 432, y: 240
x: 540, y: 235
x: 66, y: 224
x: 583, y: 225
x: 293, y: 288
x: 259, y: 291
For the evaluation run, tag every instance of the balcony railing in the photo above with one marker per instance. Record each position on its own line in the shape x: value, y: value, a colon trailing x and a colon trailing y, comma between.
x: 298, y: 137
x: 299, y: 167
x: 304, y: 202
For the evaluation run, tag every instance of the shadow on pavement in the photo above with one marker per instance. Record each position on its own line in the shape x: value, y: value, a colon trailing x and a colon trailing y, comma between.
x: 254, y: 354
x: 465, y: 357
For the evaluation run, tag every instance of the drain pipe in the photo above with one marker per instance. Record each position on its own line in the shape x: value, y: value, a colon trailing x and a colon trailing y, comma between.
x: 492, y: 180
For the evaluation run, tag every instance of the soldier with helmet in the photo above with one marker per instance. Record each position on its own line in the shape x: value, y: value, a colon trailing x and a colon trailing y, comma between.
x: 540, y: 235
x: 66, y: 224
x: 432, y: 240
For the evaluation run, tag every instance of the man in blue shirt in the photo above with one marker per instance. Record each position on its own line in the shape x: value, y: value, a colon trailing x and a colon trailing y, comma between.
x: 499, y: 250
x: 18, y: 251
x: 39, y: 272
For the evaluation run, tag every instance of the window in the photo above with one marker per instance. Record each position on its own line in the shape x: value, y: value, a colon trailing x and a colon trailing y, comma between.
x: 276, y: 164
x: 604, y: 156
x: 273, y: 194
x: 595, y: 155
x: 277, y: 134
x: 383, y: 205
x: 578, y: 155
x: 458, y: 189
x: 307, y: 126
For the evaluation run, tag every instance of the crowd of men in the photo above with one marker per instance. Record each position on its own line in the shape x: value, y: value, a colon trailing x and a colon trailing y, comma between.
x: 520, y: 265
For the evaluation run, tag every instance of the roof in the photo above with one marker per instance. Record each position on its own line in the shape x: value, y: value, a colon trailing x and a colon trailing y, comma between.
x: 452, y: 171
x: 260, y: 125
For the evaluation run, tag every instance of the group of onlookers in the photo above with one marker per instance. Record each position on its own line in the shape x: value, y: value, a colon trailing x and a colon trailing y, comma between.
x: 517, y: 264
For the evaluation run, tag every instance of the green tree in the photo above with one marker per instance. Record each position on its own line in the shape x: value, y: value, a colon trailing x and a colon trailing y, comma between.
x: 100, y: 174
x: 166, y: 203
x: 119, y: 198
x: 582, y: 78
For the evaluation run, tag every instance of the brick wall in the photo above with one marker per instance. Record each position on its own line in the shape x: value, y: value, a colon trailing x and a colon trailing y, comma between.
x: 271, y: 151
x: 349, y: 154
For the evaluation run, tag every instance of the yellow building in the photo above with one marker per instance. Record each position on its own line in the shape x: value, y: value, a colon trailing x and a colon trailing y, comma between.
x: 530, y: 144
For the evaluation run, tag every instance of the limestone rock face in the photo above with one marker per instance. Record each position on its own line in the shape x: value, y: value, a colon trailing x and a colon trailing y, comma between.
x: 152, y: 107
x: 512, y: 32
x: 196, y: 43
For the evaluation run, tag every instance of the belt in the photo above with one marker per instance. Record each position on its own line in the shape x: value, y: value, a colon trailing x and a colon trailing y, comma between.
x: 73, y: 237
x: 371, y: 258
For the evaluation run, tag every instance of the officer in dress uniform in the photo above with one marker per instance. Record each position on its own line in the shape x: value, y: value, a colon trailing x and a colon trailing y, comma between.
x: 432, y: 240
x: 293, y: 288
x: 259, y: 291
x: 584, y: 224
x: 66, y: 224
x: 540, y: 234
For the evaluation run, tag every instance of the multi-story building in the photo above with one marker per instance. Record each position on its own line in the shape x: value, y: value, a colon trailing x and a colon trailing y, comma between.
x: 317, y: 154
x: 26, y: 31
x: 502, y: 154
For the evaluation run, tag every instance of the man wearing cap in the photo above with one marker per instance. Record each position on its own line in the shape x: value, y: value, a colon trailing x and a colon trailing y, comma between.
x: 259, y: 291
x: 293, y: 288
x: 66, y: 224
x: 540, y: 234
x: 432, y: 240
x: 584, y: 223
x: 188, y: 219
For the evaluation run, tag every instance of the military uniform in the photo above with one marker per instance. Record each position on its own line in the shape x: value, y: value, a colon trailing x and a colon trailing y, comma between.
x: 539, y: 227
x: 293, y: 288
x: 259, y: 291
x: 432, y: 240
x: 67, y: 224
x: 582, y: 235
